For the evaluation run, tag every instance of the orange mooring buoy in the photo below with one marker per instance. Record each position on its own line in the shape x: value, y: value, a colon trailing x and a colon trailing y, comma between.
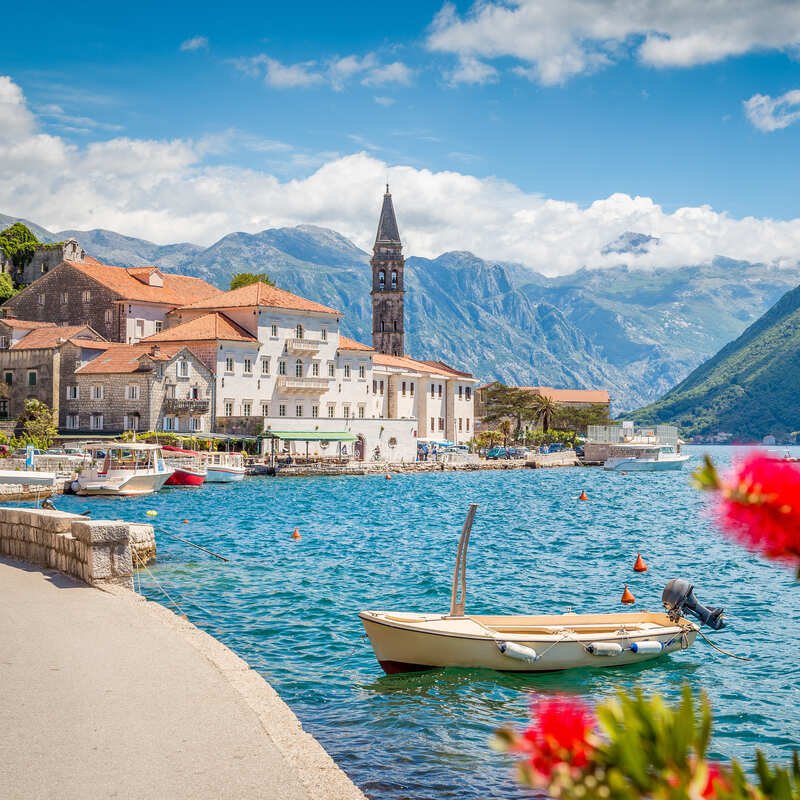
x: 186, y: 522
x: 639, y: 566
x: 583, y: 495
x: 296, y: 534
x: 627, y: 596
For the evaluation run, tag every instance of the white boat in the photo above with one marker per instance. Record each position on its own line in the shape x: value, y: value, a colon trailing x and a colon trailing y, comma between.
x: 655, y: 459
x: 123, y: 469
x: 223, y: 467
x: 406, y: 642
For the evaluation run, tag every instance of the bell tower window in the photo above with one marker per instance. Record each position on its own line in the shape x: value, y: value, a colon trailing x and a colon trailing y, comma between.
x: 394, y: 279
x: 381, y: 280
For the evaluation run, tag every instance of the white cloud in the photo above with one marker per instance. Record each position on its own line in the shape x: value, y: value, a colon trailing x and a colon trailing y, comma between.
x: 471, y: 70
x: 195, y: 43
x: 555, y: 40
x: 168, y: 190
x: 336, y: 72
x: 773, y: 113
x: 396, y: 72
x: 384, y: 101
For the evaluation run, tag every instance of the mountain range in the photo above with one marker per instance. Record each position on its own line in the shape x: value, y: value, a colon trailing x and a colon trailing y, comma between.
x: 748, y: 389
x: 635, y: 332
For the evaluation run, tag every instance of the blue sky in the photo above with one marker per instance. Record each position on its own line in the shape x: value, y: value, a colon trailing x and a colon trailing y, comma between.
x: 264, y: 88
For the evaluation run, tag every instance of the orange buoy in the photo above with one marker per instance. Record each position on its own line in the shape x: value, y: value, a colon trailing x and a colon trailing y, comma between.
x: 627, y: 596
x: 186, y: 522
x: 296, y: 534
x: 583, y: 495
x: 639, y: 566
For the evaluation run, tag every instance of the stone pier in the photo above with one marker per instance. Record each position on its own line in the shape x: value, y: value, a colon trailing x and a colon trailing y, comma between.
x: 94, y: 551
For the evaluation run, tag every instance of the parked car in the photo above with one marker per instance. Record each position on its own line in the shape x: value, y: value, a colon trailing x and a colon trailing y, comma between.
x: 22, y: 452
x: 497, y: 452
x: 518, y: 452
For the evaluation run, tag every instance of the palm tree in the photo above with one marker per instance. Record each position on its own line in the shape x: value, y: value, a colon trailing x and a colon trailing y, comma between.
x: 545, y: 408
x: 505, y: 428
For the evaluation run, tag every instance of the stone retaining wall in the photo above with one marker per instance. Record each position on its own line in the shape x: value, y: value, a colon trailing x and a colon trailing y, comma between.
x: 95, y: 551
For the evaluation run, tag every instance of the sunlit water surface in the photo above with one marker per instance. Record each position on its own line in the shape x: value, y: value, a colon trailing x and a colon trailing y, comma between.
x: 290, y: 607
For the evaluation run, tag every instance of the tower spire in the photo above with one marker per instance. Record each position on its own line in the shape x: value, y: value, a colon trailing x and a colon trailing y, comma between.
x: 387, y: 224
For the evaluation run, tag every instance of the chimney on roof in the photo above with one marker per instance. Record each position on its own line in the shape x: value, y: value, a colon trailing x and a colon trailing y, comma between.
x: 155, y: 351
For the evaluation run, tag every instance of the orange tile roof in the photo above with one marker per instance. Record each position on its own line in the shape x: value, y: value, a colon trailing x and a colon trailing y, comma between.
x: 571, y: 395
x: 25, y: 324
x: 411, y: 364
x: 124, y: 358
x: 41, y: 338
x: 205, y: 328
x: 260, y: 294
x: 177, y: 290
x: 447, y: 368
x: 346, y: 343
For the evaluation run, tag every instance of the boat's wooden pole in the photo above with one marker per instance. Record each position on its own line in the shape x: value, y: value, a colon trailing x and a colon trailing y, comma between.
x: 457, y: 604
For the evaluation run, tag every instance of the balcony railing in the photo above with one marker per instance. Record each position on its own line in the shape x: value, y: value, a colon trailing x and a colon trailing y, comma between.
x: 303, y: 345
x: 174, y: 406
x: 317, y: 385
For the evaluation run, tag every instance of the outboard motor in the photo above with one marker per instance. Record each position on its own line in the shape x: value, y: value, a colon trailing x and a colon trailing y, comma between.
x: 679, y: 596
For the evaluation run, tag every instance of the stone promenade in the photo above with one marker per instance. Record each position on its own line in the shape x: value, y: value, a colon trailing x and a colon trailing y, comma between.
x: 103, y: 695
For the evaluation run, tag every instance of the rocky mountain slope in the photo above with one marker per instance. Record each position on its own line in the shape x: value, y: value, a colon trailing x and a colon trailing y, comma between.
x: 635, y: 332
x: 749, y: 388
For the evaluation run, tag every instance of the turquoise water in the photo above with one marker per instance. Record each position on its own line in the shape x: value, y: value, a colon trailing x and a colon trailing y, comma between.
x: 290, y: 608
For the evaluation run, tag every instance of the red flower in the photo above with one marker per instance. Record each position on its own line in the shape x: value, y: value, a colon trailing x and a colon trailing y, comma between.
x: 559, y: 734
x: 716, y: 780
x: 760, y: 507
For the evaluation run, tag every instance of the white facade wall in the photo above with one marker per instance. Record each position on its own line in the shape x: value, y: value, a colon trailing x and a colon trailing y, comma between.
x: 394, y: 438
x: 301, y: 380
x: 141, y: 318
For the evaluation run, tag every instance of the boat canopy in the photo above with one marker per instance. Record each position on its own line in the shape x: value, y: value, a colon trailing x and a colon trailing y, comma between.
x: 311, y: 436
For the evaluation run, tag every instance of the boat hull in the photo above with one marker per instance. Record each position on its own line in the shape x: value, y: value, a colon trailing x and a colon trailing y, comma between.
x: 186, y: 477
x: 128, y: 487
x: 645, y: 464
x: 224, y: 474
x: 401, y: 645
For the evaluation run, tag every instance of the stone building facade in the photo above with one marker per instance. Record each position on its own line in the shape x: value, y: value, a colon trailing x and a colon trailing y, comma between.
x: 122, y: 304
x: 45, y: 258
x: 139, y: 387
x: 37, y: 365
x: 388, y: 289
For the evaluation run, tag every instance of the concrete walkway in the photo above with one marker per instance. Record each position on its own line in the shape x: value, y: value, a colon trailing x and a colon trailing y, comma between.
x: 105, y: 695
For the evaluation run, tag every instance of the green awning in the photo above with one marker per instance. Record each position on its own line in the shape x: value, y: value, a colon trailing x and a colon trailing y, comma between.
x: 311, y: 436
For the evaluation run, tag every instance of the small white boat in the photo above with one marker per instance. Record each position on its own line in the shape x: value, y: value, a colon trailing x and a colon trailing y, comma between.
x: 657, y: 459
x: 223, y: 467
x: 123, y: 469
x: 405, y: 642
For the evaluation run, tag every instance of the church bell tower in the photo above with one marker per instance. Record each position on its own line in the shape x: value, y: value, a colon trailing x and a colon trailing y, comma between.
x: 388, y: 289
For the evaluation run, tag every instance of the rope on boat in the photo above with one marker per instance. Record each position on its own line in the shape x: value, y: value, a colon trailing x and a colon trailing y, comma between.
x: 192, y: 544
x: 724, y: 652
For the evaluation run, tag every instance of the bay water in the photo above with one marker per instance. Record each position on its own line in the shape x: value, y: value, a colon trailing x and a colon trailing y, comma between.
x: 289, y: 608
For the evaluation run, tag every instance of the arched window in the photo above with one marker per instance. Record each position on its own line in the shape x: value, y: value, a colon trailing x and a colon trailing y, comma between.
x: 299, y: 332
x: 394, y: 324
x: 298, y: 368
x: 381, y: 280
x: 383, y: 326
x: 394, y: 279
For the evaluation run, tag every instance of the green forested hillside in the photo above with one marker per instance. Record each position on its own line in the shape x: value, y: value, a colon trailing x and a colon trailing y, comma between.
x: 751, y: 388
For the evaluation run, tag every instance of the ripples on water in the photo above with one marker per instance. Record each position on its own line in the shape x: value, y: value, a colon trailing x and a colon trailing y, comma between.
x: 290, y: 608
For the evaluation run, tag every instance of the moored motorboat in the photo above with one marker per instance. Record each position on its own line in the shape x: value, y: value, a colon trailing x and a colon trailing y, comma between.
x: 223, y: 467
x: 187, y: 465
x: 656, y: 459
x: 405, y: 642
x: 123, y: 469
